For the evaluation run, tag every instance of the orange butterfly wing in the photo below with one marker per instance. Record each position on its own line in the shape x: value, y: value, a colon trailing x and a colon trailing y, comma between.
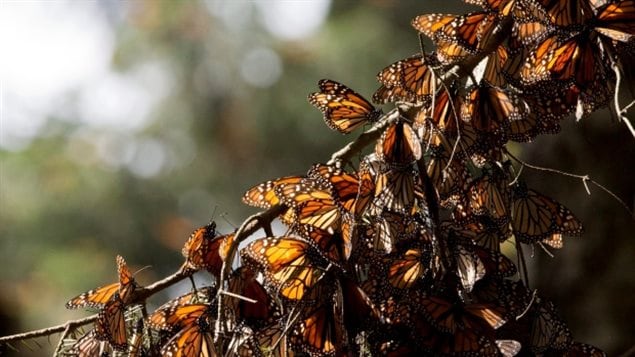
x: 344, y: 109
x: 99, y: 297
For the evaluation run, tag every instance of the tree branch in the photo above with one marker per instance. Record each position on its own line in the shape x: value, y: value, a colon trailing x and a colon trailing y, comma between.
x: 49, y: 330
x: 616, y: 101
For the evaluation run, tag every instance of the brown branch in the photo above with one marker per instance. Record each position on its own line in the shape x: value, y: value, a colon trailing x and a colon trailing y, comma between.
x: 69, y: 325
x: 141, y: 294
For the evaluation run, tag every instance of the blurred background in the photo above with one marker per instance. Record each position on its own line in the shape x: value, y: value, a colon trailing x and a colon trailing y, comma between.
x: 126, y: 125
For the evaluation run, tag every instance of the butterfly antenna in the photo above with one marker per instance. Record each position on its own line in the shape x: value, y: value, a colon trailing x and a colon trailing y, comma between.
x: 142, y: 269
x: 211, y: 220
x: 224, y: 217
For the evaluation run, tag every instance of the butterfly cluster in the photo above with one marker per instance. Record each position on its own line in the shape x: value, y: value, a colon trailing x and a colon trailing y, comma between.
x: 400, y: 253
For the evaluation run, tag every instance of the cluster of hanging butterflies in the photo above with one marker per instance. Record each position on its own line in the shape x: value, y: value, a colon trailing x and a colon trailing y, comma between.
x: 400, y: 254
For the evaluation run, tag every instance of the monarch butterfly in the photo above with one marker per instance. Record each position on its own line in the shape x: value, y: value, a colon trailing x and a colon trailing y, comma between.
x: 321, y: 331
x: 448, y: 126
x: 344, y: 186
x: 344, y: 109
x: 536, y: 217
x: 395, y: 190
x: 316, y: 206
x: 552, y: 104
x: 413, y: 77
x: 310, y: 205
x: 494, y: 73
x: 111, y: 323
x: 456, y: 328
x: 514, y: 299
x: 243, y: 282
x: 490, y: 195
x: 264, y: 196
x: 443, y: 114
x: 203, y: 250
x: 292, y: 266
x: 448, y: 179
x: 576, y: 59
x: 483, y: 231
x: 391, y: 227
x: 448, y: 316
x: 389, y: 93
x: 405, y: 269
x: 170, y: 317
x: 495, y: 263
x: 336, y: 246
x: 490, y: 109
x: 399, y: 145
x: 469, y: 267
x: 539, y: 120
x: 531, y: 24
x: 547, y: 330
x: 98, y: 298
x: 177, y: 316
x: 615, y: 20
x: 87, y: 346
x: 366, y: 187
x: 195, y: 340
x: 467, y: 31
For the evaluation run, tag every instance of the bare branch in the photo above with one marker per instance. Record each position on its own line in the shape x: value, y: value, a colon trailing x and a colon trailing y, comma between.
x: 616, y: 101
x: 70, y: 325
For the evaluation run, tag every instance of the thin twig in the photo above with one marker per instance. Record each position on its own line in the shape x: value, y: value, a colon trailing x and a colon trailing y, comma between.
x: 541, y: 245
x: 237, y: 296
x: 531, y: 302
x: 60, y: 342
x: 585, y: 179
x: 616, y: 100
